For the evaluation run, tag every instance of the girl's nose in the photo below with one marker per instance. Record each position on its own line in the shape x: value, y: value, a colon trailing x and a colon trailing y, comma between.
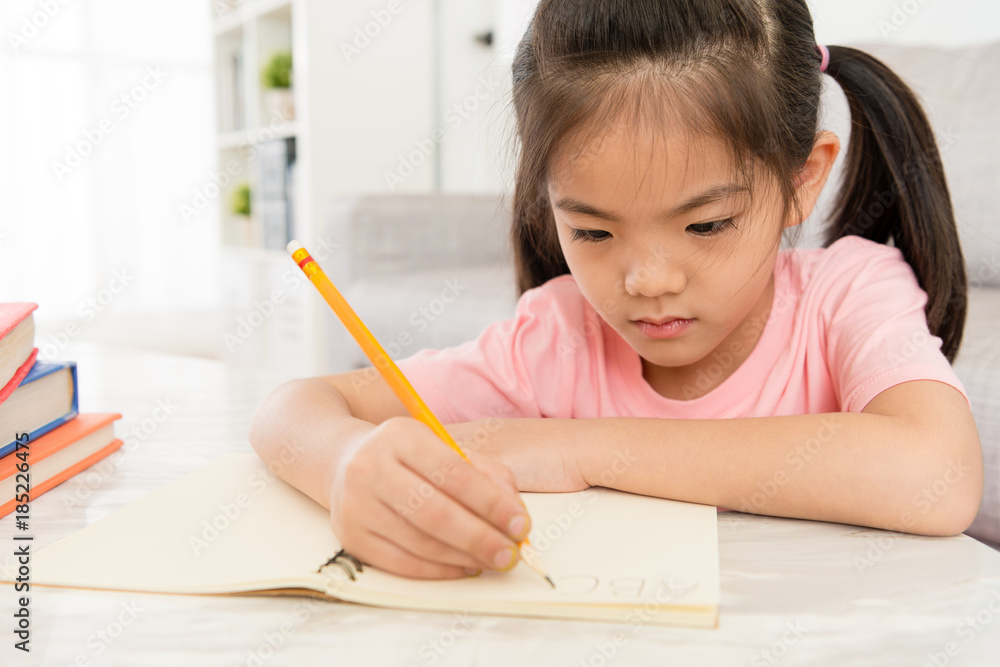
x: 655, y: 274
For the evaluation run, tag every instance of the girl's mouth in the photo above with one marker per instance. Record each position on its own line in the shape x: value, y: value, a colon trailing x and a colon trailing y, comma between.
x: 667, y: 330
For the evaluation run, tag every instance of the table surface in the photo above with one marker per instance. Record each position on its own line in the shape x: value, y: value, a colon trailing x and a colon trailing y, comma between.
x: 793, y: 592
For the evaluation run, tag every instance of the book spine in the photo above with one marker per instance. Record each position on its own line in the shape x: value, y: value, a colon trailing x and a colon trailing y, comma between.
x: 75, y: 400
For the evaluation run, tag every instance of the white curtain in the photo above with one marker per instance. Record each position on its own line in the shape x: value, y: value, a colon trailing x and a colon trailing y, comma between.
x: 105, y: 131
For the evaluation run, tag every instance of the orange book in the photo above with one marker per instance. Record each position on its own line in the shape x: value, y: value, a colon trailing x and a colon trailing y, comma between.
x: 55, y: 457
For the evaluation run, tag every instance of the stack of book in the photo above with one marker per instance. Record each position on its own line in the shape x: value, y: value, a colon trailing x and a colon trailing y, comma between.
x: 43, y: 439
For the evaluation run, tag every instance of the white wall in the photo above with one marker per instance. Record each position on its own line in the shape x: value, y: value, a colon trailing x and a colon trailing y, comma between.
x: 473, y: 91
x: 947, y: 23
x: 375, y: 107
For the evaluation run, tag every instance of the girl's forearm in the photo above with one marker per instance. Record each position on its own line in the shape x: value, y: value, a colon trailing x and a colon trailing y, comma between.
x: 302, y: 430
x: 857, y: 468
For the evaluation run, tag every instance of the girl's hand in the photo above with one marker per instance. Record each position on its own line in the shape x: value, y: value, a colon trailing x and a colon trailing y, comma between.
x: 403, y: 501
x: 539, y: 452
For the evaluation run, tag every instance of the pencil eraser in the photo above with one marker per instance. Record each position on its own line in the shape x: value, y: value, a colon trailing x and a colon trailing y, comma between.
x: 293, y: 246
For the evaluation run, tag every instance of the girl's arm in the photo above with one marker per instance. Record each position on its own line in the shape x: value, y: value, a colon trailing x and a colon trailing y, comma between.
x: 910, y: 462
x: 399, y: 498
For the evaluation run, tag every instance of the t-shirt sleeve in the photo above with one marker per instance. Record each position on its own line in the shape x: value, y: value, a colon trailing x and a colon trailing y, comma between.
x: 876, y: 329
x: 513, y: 369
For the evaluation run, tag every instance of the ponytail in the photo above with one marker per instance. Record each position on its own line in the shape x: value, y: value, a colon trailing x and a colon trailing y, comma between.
x: 895, y: 187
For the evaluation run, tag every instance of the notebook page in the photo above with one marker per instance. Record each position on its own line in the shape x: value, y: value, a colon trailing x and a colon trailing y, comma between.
x: 600, y: 547
x: 229, y: 526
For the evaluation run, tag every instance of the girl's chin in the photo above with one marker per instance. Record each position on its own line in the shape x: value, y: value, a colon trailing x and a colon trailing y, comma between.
x: 671, y: 352
x: 653, y: 352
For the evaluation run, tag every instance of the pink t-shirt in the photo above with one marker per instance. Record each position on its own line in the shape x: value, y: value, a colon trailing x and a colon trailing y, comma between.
x: 847, y: 323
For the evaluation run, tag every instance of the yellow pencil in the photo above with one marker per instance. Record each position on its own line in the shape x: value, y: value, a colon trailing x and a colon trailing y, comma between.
x: 387, y: 367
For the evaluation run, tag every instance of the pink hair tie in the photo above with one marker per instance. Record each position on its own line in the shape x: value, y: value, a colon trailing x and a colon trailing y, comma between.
x: 825, y: 55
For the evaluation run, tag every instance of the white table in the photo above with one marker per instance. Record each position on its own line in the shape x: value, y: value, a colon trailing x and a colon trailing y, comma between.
x: 793, y: 592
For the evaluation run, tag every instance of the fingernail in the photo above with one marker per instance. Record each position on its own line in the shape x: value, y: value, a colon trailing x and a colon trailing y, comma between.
x: 472, y: 572
x: 517, y: 527
x: 505, y: 559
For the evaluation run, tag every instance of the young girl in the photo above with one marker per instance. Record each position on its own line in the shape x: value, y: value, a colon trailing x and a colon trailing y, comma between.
x: 662, y: 343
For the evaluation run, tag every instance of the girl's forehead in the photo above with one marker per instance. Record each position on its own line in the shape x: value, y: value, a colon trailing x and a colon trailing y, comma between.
x: 640, y: 108
x: 624, y: 145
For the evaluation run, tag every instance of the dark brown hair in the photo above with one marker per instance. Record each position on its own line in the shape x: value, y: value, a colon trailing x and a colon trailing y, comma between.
x: 745, y: 71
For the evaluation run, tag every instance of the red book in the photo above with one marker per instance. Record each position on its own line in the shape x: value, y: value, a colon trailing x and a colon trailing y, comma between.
x: 17, y: 345
x: 55, y: 457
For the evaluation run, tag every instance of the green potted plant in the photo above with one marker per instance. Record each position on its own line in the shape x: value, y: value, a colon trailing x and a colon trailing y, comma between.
x: 239, y: 206
x: 276, y: 79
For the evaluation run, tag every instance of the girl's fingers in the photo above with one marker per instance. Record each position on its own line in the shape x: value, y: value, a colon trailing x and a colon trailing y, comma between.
x: 389, y: 525
x: 440, y: 515
x: 394, y: 558
x: 495, y: 502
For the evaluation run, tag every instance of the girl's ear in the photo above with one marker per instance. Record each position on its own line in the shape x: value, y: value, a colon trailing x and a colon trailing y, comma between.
x: 810, y: 180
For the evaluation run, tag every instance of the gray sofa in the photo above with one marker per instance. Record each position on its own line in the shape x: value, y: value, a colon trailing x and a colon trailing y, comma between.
x: 434, y: 270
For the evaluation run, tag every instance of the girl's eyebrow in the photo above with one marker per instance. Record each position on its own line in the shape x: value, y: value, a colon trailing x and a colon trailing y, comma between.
x: 710, y: 196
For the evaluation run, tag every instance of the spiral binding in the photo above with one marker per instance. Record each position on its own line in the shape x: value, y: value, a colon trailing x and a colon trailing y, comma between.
x: 345, y: 561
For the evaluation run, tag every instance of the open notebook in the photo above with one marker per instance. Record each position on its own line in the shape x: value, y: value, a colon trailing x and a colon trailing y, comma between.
x: 234, y: 527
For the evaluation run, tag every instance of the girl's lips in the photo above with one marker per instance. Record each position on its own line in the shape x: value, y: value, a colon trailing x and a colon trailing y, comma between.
x: 669, y: 329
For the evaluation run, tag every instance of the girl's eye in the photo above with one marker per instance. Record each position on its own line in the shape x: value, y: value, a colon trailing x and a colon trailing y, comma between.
x: 590, y: 235
x: 712, y: 228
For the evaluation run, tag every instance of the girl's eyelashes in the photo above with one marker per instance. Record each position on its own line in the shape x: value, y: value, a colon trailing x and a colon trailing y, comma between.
x: 590, y: 235
x: 712, y: 228
x: 700, y: 229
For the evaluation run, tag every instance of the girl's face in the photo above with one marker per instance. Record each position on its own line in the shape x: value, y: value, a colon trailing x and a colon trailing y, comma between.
x: 658, y: 228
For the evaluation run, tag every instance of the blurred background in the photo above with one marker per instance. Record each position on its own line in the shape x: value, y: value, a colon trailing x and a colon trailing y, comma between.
x: 156, y: 156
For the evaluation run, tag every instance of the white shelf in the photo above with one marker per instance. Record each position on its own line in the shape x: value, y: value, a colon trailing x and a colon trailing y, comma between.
x: 338, y: 151
x: 244, y: 138
x: 264, y: 7
x: 235, y: 18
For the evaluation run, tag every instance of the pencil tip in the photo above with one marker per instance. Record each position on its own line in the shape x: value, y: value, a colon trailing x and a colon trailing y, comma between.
x: 550, y: 582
